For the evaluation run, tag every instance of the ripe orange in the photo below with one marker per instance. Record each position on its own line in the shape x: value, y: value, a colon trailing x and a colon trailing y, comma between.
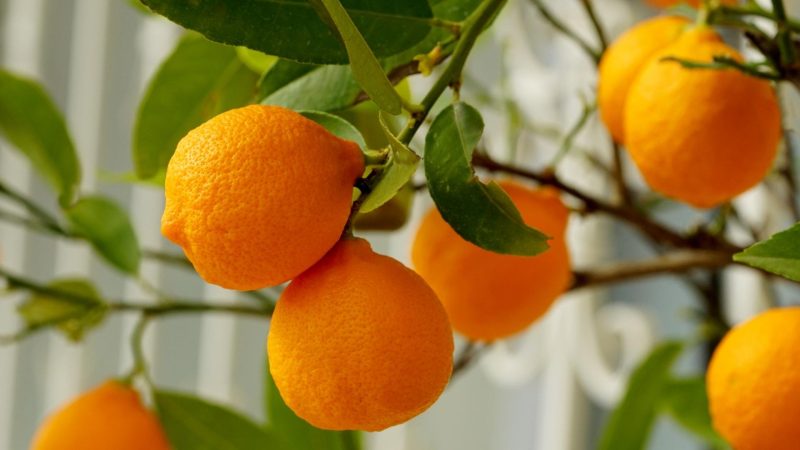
x: 258, y: 194
x: 359, y: 341
x: 488, y: 295
x: 753, y: 382
x: 701, y: 136
x: 694, y: 3
x: 622, y: 62
x: 110, y: 416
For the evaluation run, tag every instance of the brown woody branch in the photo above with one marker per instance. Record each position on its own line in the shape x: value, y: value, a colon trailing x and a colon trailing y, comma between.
x: 656, y: 231
x: 676, y: 262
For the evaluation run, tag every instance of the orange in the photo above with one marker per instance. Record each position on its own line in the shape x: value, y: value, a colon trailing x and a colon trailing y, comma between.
x: 359, y: 341
x: 622, y: 62
x: 694, y: 3
x: 111, y: 416
x: 258, y: 194
x: 701, y: 136
x: 753, y: 382
x: 488, y: 295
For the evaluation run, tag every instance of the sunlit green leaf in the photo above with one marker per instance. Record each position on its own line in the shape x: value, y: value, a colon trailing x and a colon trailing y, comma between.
x: 366, y: 69
x: 302, y: 86
x: 195, y: 424
x: 337, y: 126
x: 199, y: 80
x: 292, y: 29
x: 480, y: 213
x: 71, y: 316
x: 630, y: 424
x: 686, y: 401
x: 109, y: 230
x: 295, y: 433
x: 32, y: 123
x: 779, y: 254
x: 256, y: 61
x: 397, y: 173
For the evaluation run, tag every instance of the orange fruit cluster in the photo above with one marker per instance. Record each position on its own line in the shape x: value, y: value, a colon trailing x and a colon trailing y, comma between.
x: 701, y: 136
x: 260, y: 195
x: 487, y: 295
x: 110, y: 416
x: 753, y: 382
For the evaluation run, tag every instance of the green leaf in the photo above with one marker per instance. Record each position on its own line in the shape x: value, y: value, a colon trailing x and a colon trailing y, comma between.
x: 195, y: 424
x: 629, y: 426
x: 317, y: 88
x: 366, y: 69
x: 199, y: 80
x: 481, y: 214
x: 397, y: 173
x: 292, y: 29
x: 256, y: 61
x: 296, y: 433
x: 30, y: 121
x: 137, y: 5
x: 686, y: 401
x: 337, y: 126
x: 780, y: 254
x: 109, y: 230
x: 71, y: 316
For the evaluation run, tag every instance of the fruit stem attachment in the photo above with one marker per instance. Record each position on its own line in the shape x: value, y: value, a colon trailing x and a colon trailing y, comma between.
x: 376, y: 158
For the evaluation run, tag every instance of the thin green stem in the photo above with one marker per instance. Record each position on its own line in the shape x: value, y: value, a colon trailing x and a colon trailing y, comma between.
x: 140, y: 366
x: 472, y: 27
x: 45, y: 217
x: 588, y: 6
x: 562, y: 27
x: 168, y: 306
x: 750, y: 10
x: 784, y: 36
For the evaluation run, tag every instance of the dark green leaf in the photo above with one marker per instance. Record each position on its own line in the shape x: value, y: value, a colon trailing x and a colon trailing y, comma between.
x: 71, y: 316
x: 481, y: 214
x: 301, y: 86
x: 199, y: 80
x: 366, y: 69
x: 685, y: 400
x: 337, y: 126
x: 109, y: 230
x: 779, y: 254
x: 397, y: 173
x: 292, y: 29
x: 629, y: 426
x: 30, y: 121
x: 195, y: 424
x: 296, y: 433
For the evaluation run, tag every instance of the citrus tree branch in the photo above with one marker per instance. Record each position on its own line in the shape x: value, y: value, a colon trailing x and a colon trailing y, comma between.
x: 166, y: 307
x: 654, y: 230
x: 471, y: 29
x: 676, y: 262
x: 556, y: 23
x: 40, y: 214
